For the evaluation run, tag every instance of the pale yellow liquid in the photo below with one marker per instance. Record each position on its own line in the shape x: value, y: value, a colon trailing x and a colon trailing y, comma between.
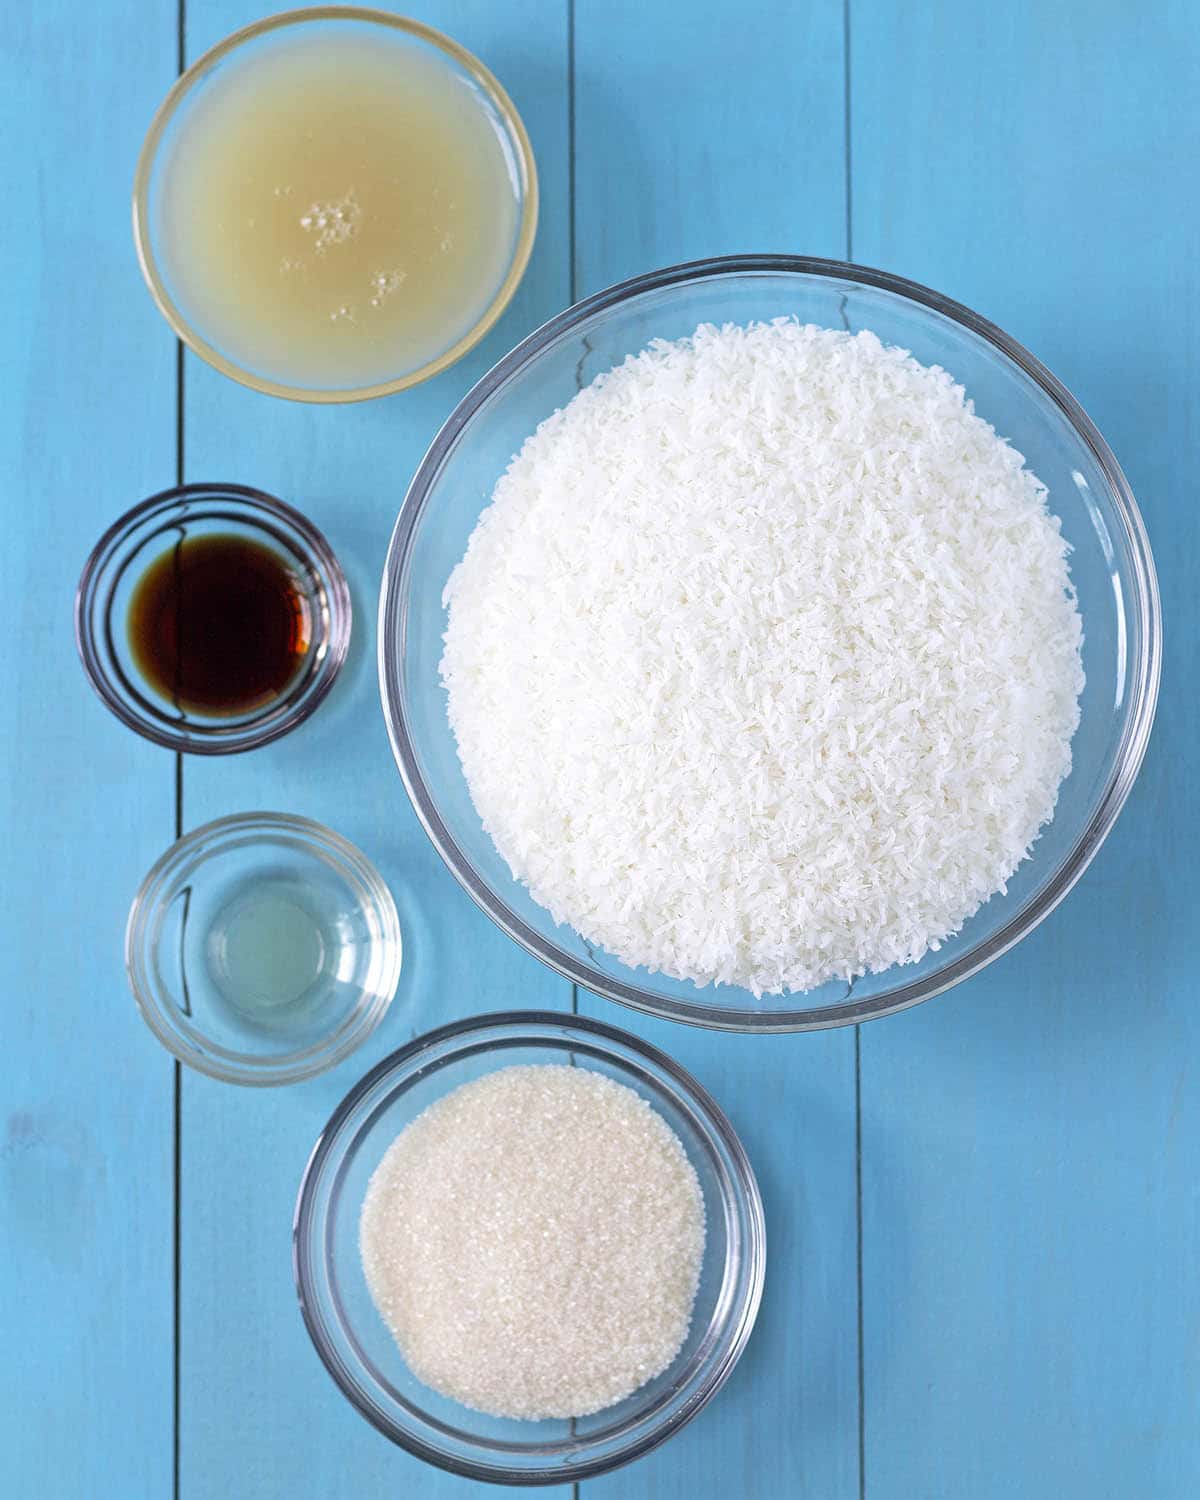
x: 337, y: 210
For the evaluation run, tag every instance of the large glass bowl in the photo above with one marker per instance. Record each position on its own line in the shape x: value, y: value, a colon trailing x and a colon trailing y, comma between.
x: 357, y: 1348
x: 1111, y: 567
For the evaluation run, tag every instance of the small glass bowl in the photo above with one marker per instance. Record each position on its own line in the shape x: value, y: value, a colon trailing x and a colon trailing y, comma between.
x: 357, y: 1348
x: 118, y: 563
x: 263, y: 948
x: 189, y: 92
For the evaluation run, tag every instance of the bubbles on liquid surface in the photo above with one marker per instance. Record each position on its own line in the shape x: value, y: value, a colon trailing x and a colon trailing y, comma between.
x: 332, y: 223
x: 383, y: 284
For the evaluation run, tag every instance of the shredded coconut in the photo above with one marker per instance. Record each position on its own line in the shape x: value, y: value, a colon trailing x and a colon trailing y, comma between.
x: 533, y: 1241
x: 764, y: 661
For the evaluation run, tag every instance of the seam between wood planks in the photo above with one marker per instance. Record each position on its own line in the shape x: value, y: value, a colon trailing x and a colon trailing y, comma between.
x: 177, y: 1114
x: 858, y: 1187
x: 572, y: 279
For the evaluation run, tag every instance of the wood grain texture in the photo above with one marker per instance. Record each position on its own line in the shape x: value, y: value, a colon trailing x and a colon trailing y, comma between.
x: 705, y: 131
x: 1031, y: 1221
x: 260, y: 1416
x: 86, y: 1195
x: 1031, y: 1224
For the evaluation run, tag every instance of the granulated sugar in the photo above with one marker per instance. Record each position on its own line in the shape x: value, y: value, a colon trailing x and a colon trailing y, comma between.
x: 533, y: 1240
x: 764, y: 662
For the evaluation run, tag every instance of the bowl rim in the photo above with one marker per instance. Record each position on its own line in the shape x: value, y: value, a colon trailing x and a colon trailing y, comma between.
x: 532, y: 1024
x: 196, y: 72
x: 1146, y: 658
x: 277, y: 717
x: 240, y: 1068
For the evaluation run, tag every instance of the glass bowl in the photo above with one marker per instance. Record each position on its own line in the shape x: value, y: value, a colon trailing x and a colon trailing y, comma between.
x: 118, y: 563
x: 1111, y: 567
x: 357, y: 1348
x: 243, y: 49
x: 263, y: 948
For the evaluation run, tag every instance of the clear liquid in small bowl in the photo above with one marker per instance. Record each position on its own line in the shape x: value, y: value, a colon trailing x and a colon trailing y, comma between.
x: 273, y: 953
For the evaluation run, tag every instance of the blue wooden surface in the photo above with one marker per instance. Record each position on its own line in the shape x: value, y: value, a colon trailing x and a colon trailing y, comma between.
x: 982, y: 1214
x: 86, y: 423
x: 1030, y: 1223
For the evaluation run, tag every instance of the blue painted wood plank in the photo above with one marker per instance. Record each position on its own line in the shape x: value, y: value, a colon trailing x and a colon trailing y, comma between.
x: 707, y: 130
x: 1031, y: 1219
x: 260, y: 1415
x: 86, y: 1095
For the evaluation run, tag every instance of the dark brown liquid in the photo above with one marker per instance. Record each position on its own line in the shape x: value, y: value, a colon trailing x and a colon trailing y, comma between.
x: 219, y: 624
